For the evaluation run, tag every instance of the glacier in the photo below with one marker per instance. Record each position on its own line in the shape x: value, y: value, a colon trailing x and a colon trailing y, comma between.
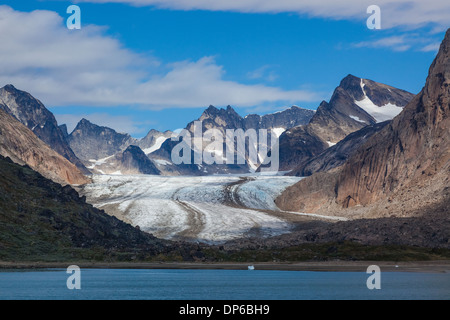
x: 210, y: 209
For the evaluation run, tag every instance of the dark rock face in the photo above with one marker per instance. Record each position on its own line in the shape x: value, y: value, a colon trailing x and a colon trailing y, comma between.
x: 297, y: 146
x: 337, y: 155
x: 63, y: 128
x: 93, y: 142
x: 134, y: 161
x: 309, y: 194
x: 228, y: 118
x: 34, y: 115
x: 401, y: 170
x: 223, y: 119
x: 286, y: 119
x: 220, y: 119
x: 336, y: 119
x: 412, y: 149
x: 332, y: 121
x: 90, y: 141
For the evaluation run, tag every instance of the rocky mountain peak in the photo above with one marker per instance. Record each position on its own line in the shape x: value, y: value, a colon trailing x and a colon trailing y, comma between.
x: 409, y: 154
x: 85, y: 125
x: 28, y: 110
x: 63, y: 128
x: 90, y: 141
x: 379, y: 94
x: 352, y: 85
x: 401, y: 170
x: 438, y: 81
x: 85, y: 122
x: 230, y: 110
x: 210, y: 111
x: 220, y: 119
x: 134, y: 161
x: 355, y: 104
x: 36, y: 117
x: 9, y: 87
x: 133, y: 149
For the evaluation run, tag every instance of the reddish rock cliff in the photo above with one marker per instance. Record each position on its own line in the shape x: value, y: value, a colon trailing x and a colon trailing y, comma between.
x: 413, y: 148
x: 403, y: 168
x: 23, y: 147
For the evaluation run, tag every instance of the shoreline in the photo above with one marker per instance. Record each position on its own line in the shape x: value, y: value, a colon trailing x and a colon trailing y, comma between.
x: 440, y: 266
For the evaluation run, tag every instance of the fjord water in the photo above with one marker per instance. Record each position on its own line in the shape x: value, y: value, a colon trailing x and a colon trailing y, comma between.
x: 128, y: 284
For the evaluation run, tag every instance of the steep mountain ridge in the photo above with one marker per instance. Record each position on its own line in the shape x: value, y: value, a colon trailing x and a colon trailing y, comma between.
x: 134, y: 161
x: 228, y: 118
x: 335, y: 156
x: 223, y: 119
x: 34, y: 115
x: 105, y: 151
x: 288, y: 118
x: 90, y: 141
x: 24, y: 147
x: 350, y: 109
x: 401, y: 170
x: 410, y: 150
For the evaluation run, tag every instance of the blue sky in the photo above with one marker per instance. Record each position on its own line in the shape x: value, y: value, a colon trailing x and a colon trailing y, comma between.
x: 142, y: 64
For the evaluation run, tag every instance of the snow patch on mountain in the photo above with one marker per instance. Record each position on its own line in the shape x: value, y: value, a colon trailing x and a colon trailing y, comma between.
x: 99, y: 162
x: 357, y: 119
x: 278, y: 131
x: 158, y: 143
x: 379, y: 113
x: 330, y: 144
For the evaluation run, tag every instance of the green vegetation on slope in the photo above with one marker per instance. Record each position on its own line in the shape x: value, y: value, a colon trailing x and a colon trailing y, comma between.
x: 43, y: 221
x: 345, y: 250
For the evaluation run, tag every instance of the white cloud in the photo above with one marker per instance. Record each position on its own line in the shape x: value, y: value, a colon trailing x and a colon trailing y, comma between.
x: 418, y: 41
x: 411, y: 13
x: 265, y: 73
x: 86, y: 67
x: 434, y: 47
x: 201, y: 82
x: 396, y: 43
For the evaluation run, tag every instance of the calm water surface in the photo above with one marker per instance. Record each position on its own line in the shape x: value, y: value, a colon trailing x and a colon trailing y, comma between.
x: 111, y: 284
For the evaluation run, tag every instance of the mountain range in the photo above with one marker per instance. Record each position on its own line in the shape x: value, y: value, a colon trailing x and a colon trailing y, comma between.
x: 303, y: 133
x: 402, y: 170
x: 375, y: 155
x: 222, y: 120
x: 355, y: 104
x: 36, y: 117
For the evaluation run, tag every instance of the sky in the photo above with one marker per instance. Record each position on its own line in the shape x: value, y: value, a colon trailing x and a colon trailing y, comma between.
x: 137, y: 65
